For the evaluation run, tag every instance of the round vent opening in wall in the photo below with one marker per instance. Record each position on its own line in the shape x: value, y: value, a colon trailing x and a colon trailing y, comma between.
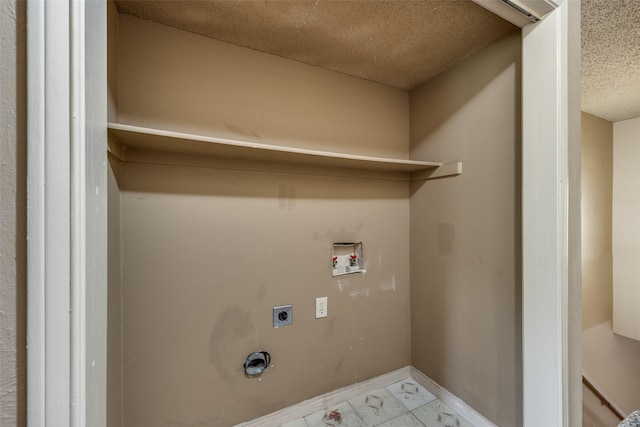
x: 256, y: 363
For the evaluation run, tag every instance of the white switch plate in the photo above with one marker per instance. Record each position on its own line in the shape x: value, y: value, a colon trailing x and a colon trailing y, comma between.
x: 321, y: 307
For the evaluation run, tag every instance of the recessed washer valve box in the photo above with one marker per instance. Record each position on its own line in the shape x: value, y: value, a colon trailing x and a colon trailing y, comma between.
x: 347, y: 258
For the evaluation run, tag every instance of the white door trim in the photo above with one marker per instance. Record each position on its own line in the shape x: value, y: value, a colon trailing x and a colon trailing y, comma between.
x: 66, y: 213
x: 66, y: 220
x: 551, y: 219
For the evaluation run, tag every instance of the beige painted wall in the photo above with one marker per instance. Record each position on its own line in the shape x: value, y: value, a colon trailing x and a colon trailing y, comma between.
x: 208, y: 251
x: 612, y: 361
x: 13, y: 204
x: 466, y: 233
x: 626, y: 232
x: 597, y: 184
x: 174, y: 80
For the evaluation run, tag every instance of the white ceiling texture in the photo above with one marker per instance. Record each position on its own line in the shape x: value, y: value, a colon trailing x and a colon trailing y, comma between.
x: 611, y: 58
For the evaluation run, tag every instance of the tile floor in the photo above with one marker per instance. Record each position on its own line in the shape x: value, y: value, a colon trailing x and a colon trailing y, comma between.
x: 403, y: 404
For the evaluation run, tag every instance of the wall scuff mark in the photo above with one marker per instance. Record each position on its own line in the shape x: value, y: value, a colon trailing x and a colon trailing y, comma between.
x: 233, y: 323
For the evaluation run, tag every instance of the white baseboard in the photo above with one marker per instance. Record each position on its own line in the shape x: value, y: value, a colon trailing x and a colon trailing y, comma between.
x: 332, y: 398
x: 449, y: 399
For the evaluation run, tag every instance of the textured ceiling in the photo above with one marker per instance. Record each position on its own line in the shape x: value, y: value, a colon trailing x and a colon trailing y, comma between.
x: 397, y: 43
x: 611, y: 58
x: 404, y: 43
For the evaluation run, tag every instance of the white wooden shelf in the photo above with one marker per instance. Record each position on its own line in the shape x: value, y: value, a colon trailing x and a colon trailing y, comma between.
x: 163, y: 140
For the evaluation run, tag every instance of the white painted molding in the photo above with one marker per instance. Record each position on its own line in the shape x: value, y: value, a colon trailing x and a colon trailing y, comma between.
x: 326, y: 400
x: 66, y: 213
x: 551, y: 220
x: 543, y: 223
x: 48, y: 214
x: 36, y: 361
x: 504, y: 11
x: 91, y: 197
x: 537, y: 8
x: 451, y: 400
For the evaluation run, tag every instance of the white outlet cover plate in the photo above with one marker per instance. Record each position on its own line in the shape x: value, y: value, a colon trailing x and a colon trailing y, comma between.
x: 321, y: 307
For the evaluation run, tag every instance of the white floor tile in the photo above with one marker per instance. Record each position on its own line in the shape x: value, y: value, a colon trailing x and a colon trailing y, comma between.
x: 296, y: 423
x: 437, y: 414
x: 398, y: 405
x: 406, y: 420
x: 341, y: 415
x: 377, y: 407
x: 410, y: 394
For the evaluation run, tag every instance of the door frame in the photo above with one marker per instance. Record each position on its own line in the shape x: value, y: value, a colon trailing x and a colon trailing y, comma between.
x: 66, y: 213
x: 551, y: 230
x: 67, y: 222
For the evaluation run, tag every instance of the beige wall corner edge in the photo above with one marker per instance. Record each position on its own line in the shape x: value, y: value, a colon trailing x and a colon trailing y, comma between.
x: 451, y: 400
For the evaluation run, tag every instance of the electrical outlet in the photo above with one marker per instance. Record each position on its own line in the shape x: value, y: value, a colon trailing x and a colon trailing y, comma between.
x: 282, y: 315
x: 321, y: 307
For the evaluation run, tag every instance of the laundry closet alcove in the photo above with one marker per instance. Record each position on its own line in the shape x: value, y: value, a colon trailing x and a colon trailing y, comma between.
x: 232, y: 175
